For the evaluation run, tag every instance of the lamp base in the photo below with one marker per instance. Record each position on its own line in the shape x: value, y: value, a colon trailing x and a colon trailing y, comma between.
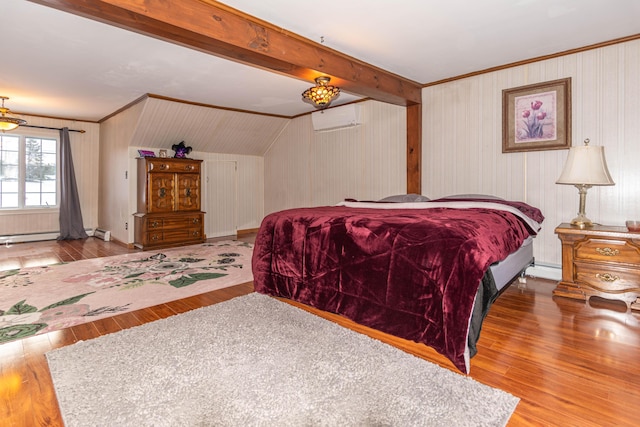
x: 581, y: 221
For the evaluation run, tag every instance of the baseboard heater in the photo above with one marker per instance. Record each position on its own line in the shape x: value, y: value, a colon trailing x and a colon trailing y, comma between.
x: 546, y: 271
x: 34, y: 237
x: 102, y: 234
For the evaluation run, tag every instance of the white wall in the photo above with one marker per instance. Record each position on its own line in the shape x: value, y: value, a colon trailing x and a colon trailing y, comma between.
x: 84, y: 147
x: 250, y: 188
x: 462, y: 139
x: 367, y: 162
x: 117, y: 186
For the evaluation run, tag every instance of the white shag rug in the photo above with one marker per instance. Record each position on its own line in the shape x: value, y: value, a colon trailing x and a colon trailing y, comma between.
x: 256, y: 361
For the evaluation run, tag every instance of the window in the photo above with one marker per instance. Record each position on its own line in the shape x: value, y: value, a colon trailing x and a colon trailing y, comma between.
x: 28, y: 172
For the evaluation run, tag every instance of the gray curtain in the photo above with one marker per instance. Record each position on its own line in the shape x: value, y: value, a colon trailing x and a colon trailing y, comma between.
x: 71, y: 226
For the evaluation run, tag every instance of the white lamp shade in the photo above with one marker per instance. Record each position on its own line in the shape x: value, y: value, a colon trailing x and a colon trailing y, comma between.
x: 586, y: 165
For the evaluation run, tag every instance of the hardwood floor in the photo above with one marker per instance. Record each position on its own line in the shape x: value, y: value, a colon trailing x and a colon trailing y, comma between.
x: 571, y: 363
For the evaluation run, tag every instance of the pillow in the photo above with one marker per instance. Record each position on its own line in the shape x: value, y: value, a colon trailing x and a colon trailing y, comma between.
x: 472, y: 196
x: 405, y: 198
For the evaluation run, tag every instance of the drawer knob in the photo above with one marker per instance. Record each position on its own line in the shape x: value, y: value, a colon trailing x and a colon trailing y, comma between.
x: 154, y: 224
x: 196, y: 233
x: 607, y: 251
x: 154, y: 237
x: 606, y: 277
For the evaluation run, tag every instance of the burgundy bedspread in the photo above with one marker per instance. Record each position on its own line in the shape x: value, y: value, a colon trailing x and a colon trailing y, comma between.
x: 413, y: 273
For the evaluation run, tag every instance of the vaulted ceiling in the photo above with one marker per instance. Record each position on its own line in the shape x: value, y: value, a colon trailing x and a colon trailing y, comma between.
x: 60, y: 64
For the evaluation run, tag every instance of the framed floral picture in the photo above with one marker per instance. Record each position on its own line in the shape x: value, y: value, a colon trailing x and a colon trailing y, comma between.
x: 537, y: 117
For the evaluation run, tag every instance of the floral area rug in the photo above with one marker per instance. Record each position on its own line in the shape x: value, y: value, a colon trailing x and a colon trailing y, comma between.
x: 43, y: 299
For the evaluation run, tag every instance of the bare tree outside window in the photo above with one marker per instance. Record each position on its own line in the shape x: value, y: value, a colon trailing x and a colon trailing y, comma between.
x: 40, y: 180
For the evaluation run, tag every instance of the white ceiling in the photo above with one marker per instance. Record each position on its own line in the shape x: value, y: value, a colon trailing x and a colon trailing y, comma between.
x: 61, y: 65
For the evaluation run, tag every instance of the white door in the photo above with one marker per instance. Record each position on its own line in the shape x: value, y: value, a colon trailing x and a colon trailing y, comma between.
x: 221, y: 202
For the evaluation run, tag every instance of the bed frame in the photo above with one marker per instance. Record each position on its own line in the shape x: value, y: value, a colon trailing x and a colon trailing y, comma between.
x: 514, y: 266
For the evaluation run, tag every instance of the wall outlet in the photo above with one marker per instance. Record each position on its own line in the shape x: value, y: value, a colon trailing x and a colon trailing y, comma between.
x: 126, y: 225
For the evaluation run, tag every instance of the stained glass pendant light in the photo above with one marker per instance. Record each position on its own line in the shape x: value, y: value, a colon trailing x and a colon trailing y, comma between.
x: 322, y: 93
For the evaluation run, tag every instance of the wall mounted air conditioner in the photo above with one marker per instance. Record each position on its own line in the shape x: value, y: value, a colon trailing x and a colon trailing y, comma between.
x: 336, y: 118
x: 102, y: 234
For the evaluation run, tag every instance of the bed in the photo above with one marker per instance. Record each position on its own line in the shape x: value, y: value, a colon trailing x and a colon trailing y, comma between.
x: 425, y: 271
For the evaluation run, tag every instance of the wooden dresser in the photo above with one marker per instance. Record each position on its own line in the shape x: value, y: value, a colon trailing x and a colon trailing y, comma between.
x: 168, y: 203
x: 601, y: 261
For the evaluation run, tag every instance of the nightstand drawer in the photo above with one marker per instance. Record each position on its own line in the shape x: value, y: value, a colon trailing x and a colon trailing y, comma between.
x: 607, y: 278
x: 608, y: 250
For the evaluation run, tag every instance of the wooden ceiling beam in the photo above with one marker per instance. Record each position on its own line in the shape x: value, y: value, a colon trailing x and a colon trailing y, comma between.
x: 217, y: 29
x: 220, y: 30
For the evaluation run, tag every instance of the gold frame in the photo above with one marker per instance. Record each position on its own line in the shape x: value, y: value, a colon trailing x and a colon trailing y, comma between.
x: 555, y: 92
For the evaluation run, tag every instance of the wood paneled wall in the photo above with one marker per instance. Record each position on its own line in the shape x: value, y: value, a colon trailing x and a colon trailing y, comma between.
x: 84, y: 148
x: 462, y: 139
x: 163, y: 123
x: 366, y: 162
x: 248, y: 192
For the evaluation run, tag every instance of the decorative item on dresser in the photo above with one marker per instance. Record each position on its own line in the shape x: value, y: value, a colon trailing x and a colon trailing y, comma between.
x: 601, y: 261
x: 168, y: 203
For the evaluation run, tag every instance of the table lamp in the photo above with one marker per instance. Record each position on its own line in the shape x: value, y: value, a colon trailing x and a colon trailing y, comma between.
x: 585, y: 167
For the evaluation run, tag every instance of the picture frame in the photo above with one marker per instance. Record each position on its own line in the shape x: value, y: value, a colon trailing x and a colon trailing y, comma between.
x: 163, y: 153
x: 537, y: 117
x: 146, y: 153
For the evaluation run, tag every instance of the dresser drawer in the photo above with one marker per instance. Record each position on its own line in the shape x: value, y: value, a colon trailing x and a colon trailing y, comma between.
x: 607, y: 278
x: 172, y: 165
x: 182, y: 222
x: 171, y: 222
x: 163, y: 237
x: 155, y: 223
x: 618, y: 251
x: 164, y: 230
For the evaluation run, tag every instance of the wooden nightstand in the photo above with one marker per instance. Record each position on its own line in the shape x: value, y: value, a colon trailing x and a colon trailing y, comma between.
x: 601, y: 261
